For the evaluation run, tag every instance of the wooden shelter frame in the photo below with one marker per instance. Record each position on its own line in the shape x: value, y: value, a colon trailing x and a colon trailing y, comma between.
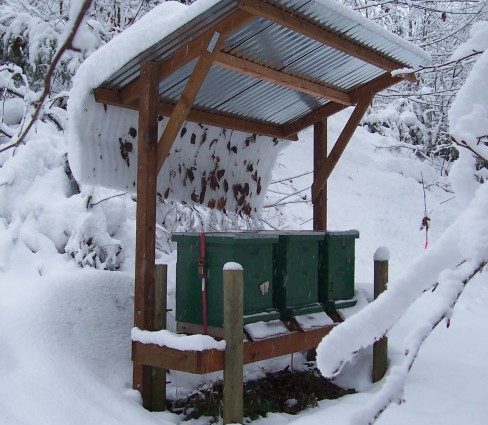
x: 142, y: 95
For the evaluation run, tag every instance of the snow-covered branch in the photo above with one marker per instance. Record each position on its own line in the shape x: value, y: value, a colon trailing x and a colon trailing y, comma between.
x: 79, y: 10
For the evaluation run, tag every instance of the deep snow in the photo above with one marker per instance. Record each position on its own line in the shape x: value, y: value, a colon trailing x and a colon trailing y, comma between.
x: 65, y: 332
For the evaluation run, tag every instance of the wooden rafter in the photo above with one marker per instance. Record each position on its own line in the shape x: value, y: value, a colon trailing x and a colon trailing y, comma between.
x: 323, y: 173
x: 302, y: 26
x: 366, y: 90
x: 316, y: 115
x: 261, y: 72
x: 110, y: 97
x: 374, y: 86
x: 187, y: 53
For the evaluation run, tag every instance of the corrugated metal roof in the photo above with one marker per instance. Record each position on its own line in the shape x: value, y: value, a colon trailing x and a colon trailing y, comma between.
x: 272, y: 45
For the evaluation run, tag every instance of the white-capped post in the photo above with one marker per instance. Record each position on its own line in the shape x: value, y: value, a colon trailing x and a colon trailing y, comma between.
x: 233, y: 324
x: 380, y: 348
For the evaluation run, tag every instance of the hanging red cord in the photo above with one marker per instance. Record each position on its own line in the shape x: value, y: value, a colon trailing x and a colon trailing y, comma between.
x: 202, y: 272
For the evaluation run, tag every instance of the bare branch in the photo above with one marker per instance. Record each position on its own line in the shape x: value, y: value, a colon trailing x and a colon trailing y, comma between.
x: 67, y: 45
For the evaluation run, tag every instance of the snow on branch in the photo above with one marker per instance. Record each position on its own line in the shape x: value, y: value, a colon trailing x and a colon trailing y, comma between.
x: 77, y: 12
x: 445, y: 270
x: 447, y: 293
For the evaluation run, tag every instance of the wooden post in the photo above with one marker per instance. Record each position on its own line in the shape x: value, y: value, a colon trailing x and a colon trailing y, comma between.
x: 161, y: 307
x: 146, y: 219
x: 380, y: 348
x: 233, y: 323
x: 319, y: 156
x: 322, y: 174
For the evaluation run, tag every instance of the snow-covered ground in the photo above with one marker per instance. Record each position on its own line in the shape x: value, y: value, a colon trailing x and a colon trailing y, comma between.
x: 65, y: 331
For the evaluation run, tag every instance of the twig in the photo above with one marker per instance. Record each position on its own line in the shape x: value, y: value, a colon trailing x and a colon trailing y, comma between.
x: 285, y: 203
x: 291, y: 178
x: 67, y: 45
x: 269, y: 224
x: 463, y: 144
x: 289, y: 195
x: 447, y: 200
x: 106, y: 199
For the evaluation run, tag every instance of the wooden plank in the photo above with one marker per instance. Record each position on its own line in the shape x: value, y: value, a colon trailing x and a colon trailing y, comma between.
x: 160, y: 309
x: 320, y: 178
x: 319, y: 157
x: 169, y: 358
x: 189, y: 52
x: 261, y: 72
x: 110, y: 97
x: 146, y: 220
x: 302, y: 26
x: 213, y: 360
x: 318, y: 114
x: 233, y: 364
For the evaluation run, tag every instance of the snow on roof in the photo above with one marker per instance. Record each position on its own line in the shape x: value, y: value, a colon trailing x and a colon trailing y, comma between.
x: 102, y: 139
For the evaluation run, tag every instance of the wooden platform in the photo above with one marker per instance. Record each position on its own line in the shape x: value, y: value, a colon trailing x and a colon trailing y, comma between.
x: 207, y: 361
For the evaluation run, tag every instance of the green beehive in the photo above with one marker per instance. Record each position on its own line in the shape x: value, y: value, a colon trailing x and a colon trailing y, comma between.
x: 253, y: 251
x: 296, y: 273
x: 336, y: 270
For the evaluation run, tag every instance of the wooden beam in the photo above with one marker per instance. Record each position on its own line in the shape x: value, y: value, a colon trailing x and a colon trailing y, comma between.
x: 374, y: 86
x: 213, y: 360
x: 366, y: 90
x: 230, y: 122
x: 261, y: 72
x: 110, y: 97
x: 320, y: 178
x: 302, y: 26
x: 316, y: 115
x: 319, y: 157
x: 144, y: 292
x: 188, y: 52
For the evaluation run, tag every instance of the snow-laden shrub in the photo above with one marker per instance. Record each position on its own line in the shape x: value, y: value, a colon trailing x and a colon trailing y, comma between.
x: 44, y: 209
x: 468, y: 119
x: 399, y: 121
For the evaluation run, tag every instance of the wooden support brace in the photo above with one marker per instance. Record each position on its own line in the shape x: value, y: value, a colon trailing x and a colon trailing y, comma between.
x: 189, y: 94
x: 320, y: 178
x: 317, y: 115
x: 366, y: 90
x: 144, y: 293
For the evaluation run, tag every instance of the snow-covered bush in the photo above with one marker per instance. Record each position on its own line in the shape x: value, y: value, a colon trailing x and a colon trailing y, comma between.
x: 438, y: 27
x: 398, y: 120
x: 468, y: 119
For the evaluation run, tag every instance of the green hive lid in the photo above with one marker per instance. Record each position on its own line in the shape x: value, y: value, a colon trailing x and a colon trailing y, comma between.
x: 229, y: 237
x: 347, y: 233
x: 305, y: 235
